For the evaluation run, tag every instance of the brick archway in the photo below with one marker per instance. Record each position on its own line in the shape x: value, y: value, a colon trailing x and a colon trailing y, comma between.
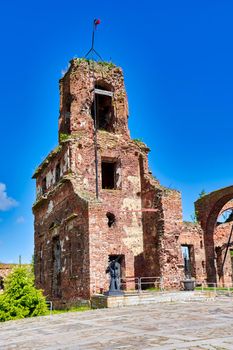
x: 208, y: 209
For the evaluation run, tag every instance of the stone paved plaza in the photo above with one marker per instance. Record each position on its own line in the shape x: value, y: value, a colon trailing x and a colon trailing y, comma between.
x: 179, y: 325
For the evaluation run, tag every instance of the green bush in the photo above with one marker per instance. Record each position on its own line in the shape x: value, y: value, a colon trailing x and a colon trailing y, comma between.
x: 20, y: 298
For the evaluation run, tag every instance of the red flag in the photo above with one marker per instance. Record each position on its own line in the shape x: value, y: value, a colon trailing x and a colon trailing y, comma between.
x: 96, y: 22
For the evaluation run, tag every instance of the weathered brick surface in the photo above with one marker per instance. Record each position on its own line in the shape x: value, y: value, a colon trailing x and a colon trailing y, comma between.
x: 208, y: 210
x: 73, y: 240
x: 192, y: 235
x: 6, y: 269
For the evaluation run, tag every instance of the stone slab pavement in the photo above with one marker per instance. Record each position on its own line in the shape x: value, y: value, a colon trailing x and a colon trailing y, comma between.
x: 190, y: 325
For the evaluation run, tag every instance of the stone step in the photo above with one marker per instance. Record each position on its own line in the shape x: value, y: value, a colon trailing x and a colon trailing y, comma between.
x: 102, y: 301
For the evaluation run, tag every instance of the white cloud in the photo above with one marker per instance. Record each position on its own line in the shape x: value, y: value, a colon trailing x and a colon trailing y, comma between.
x: 6, y: 202
x: 20, y: 220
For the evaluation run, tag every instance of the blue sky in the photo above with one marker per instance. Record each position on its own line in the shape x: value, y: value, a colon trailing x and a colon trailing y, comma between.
x: 177, y: 59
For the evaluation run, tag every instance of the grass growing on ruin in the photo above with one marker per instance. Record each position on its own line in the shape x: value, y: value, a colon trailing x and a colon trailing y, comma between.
x: 214, y: 288
x: 152, y: 289
x: 72, y: 309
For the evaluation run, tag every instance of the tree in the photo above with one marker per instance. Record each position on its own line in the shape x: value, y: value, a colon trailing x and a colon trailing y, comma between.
x: 202, y: 194
x: 20, y: 298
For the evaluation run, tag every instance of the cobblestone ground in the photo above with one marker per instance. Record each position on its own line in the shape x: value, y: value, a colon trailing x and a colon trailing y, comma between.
x: 188, y: 325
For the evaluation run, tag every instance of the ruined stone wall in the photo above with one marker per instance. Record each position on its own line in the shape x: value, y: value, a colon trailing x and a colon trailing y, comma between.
x: 162, y: 255
x: 64, y: 217
x: 5, y: 270
x: 77, y: 86
x: 47, y: 170
x: 72, y: 231
x: 106, y: 241
x: 171, y: 223
x: 192, y: 236
x: 150, y: 220
x: 125, y: 236
x: 221, y: 236
x: 208, y: 210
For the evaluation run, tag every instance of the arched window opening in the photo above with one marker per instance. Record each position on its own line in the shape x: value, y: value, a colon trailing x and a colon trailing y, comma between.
x: 111, y: 219
x: 102, y: 107
x: 225, y: 217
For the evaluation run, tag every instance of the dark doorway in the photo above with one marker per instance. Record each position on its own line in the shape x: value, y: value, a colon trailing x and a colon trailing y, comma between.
x: 189, y: 260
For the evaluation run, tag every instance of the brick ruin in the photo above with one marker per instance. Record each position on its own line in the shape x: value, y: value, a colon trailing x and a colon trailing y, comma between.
x: 5, y: 270
x: 134, y: 217
x: 215, y: 214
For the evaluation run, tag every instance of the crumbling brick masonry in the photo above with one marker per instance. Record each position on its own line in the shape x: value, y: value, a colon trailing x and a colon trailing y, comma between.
x: 133, y: 217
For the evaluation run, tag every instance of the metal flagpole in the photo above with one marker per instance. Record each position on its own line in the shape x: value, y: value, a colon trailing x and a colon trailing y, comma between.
x: 95, y: 140
x: 92, y: 51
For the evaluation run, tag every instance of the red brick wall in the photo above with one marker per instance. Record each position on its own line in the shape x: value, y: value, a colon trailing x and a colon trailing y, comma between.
x: 150, y: 241
x: 70, y: 216
x: 208, y: 209
x: 192, y: 235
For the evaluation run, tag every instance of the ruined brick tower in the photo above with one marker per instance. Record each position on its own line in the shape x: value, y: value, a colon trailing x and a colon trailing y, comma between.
x: 76, y: 233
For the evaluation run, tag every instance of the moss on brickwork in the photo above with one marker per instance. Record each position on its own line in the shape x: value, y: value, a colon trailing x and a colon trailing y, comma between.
x: 68, y: 137
x: 140, y: 144
x: 104, y: 64
x: 64, y: 137
x: 50, y: 156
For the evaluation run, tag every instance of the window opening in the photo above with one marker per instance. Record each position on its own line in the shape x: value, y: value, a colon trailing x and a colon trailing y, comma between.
x: 111, y: 219
x: 44, y: 185
x: 41, y: 264
x: 56, y: 281
x: 103, y: 107
x: 108, y: 175
x: 66, y: 113
x: 58, y: 172
x: 67, y: 105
